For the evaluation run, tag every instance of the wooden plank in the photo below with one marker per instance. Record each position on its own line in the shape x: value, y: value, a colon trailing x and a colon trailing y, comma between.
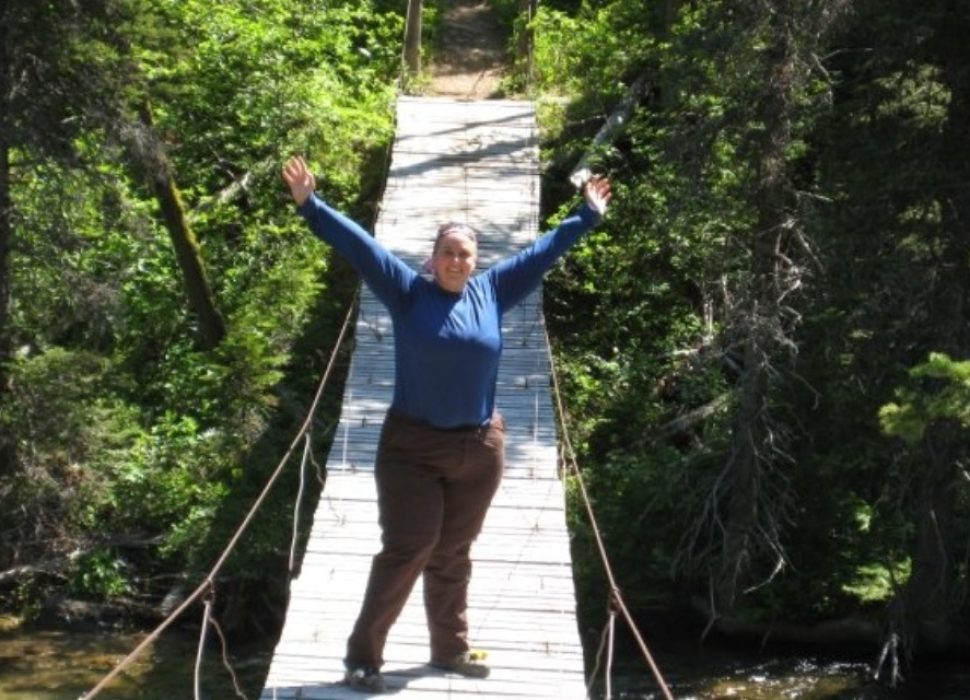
x: 473, y: 162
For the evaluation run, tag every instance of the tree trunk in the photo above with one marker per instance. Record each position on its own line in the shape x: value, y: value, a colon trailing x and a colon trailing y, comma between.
x: 7, y: 459
x: 668, y: 12
x: 201, y: 301
x: 7, y: 454
x: 526, y: 39
x: 6, y: 239
x: 753, y: 450
x: 930, y: 607
x: 412, y: 38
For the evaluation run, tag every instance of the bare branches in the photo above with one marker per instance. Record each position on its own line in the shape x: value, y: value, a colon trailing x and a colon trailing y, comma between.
x: 890, y: 650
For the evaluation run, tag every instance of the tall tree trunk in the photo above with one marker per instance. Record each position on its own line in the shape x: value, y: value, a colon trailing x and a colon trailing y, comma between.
x: 930, y: 609
x: 7, y: 458
x: 201, y: 301
x: 753, y: 450
x: 668, y: 11
x: 930, y: 597
x: 412, y: 38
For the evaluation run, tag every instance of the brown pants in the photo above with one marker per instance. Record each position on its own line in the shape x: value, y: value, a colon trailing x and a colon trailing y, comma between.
x: 434, y: 488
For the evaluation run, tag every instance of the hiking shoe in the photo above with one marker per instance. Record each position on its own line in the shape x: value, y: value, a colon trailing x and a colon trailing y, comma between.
x: 468, y: 664
x: 365, y: 679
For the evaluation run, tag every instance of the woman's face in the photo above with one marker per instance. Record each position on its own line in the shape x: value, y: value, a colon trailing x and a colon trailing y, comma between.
x: 454, y: 261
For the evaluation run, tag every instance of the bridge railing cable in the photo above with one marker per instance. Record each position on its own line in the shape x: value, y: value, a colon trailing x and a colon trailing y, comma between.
x: 616, y: 596
x: 207, y: 587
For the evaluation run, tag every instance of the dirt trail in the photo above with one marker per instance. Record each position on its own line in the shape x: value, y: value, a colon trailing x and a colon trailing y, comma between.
x: 470, y: 60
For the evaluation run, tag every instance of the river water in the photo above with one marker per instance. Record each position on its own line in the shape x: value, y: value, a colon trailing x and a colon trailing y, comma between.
x: 43, y: 665
x: 739, y: 675
x: 39, y: 665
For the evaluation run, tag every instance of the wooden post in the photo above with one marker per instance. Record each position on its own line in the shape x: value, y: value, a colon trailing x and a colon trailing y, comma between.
x: 412, y: 38
x: 524, y: 45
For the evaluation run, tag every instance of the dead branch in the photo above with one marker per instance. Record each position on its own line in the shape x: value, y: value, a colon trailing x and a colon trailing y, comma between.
x: 609, y: 131
x: 684, y: 423
x: 237, y: 187
x: 48, y: 567
x: 890, y: 650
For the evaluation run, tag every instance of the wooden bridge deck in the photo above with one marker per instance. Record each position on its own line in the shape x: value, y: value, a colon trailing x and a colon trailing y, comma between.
x: 477, y: 162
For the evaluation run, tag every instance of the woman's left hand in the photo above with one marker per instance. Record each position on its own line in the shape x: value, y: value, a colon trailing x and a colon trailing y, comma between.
x: 598, y: 193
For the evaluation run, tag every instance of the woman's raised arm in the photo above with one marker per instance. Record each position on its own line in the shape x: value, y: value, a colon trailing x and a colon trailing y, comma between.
x: 385, y: 273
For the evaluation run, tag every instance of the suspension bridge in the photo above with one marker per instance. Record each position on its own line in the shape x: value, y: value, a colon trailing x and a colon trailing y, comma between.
x: 475, y: 161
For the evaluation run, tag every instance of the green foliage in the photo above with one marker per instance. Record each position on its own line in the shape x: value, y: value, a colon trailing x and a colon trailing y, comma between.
x: 258, y: 85
x: 63, y: 416
x: 917, y: 406
x: 124, y: 428
x: 641, y: 310
x: 25, y: 600
x: 876, y: 583
x: 52, y: 48
x: 593, y: 47
x: 99, y: 574
x: 73, y: 252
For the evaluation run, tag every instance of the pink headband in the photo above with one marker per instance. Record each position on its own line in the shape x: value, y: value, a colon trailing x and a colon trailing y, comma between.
x: 456, y: 227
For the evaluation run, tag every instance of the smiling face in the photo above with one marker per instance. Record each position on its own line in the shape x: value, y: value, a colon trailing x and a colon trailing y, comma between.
x: 454, y: 258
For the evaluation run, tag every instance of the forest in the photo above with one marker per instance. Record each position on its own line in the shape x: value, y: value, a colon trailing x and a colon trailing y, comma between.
x: 764, y: 349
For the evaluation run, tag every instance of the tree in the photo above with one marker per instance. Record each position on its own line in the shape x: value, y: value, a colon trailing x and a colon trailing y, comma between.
x: 931, y: 414
x: 749, y: 502
x: 130, y: 428
x: 412, y: 37
x: 7, y: 458
x: 927, y: 617
x: 150, y: 157
x: 55, y: 70
x: 760, y: 320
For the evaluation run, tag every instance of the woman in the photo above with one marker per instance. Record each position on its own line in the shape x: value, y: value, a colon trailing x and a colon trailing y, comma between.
x: 441, y: 451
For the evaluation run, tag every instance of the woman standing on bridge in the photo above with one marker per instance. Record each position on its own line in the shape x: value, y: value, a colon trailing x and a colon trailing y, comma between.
x: 442, y: 448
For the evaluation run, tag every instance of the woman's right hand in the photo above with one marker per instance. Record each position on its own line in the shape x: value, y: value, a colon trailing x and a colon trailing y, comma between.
x: 301, y: 182
x: 598, y: 193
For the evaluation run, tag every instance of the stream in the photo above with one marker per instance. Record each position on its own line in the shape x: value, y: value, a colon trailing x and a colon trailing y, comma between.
x: 44, y: 665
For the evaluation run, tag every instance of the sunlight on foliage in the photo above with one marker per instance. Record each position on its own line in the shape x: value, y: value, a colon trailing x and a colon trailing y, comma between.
x: 939, y: 390
x: 875, y: 583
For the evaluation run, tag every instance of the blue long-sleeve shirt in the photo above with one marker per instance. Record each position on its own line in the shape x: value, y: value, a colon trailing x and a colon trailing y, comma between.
x: 447, y: 346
